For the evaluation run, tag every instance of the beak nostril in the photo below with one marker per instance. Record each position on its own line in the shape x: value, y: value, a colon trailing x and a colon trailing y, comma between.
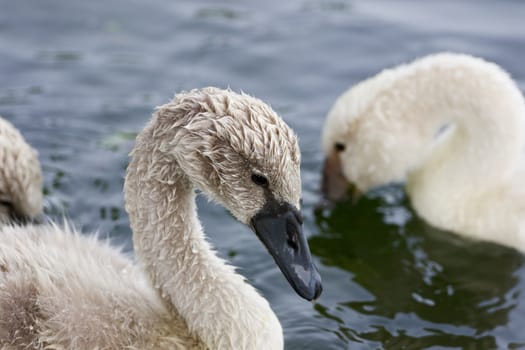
x: 292, y: 236
x: 292, y: 241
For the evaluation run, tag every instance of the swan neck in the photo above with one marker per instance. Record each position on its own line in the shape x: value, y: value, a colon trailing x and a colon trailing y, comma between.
x: 216, y: 303
x: 468, y: 167
x: 486, y: 114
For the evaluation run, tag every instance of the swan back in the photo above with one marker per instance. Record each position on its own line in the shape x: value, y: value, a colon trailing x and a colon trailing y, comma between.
x: 20, y: 176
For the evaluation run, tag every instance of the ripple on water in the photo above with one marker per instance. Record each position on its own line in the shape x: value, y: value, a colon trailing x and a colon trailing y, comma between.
x: 81, y: 78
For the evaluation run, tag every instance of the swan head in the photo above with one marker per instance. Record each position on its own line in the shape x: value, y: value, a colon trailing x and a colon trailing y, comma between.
x: 369, y: 136
x: 240, y: 153
x: 20, y: 177
x: 357, y: 143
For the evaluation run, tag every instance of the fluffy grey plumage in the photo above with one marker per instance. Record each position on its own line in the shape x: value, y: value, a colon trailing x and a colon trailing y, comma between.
x: 62, y: 290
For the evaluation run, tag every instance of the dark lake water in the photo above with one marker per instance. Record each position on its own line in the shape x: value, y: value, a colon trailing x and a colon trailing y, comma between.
x: 80, y: 78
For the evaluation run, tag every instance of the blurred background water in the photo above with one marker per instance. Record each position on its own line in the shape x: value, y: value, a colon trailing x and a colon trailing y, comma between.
x: 80, y: 78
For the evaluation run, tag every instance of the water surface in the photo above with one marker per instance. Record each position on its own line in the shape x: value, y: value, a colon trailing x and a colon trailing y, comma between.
x: 80, y: 78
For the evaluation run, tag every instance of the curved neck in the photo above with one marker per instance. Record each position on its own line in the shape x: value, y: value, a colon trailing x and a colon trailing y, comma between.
x: 478, y: 154
x: 219, y: 307
x: 485, y: 110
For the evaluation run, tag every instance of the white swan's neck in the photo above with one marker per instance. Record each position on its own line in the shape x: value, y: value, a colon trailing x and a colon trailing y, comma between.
x: 219, y: 307
x: 470, y: 164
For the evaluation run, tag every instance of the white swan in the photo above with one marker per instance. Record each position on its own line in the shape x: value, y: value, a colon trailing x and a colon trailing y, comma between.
x: 20, y: 176
x: 453, y: 127
x: 62, y: 290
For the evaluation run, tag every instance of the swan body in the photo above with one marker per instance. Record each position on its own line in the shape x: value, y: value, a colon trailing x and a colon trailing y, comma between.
x: 63, y: 290
x: 20, y: 176
x: 453, y: 127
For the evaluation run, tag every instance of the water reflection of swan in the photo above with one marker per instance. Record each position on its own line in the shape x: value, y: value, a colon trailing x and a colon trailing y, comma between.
x: 20, y: 176
x: 408, y: 283
x: 468, y: 179
x: 59, y: 289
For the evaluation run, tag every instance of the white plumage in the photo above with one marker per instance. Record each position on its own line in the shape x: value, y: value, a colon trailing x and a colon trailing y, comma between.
x: 20, y: 176
x: 469, y: 178
x: 63, y: 290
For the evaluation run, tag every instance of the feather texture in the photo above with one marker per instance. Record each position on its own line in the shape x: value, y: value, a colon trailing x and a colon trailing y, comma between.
x: 453, y: 127
x: 63, y: 290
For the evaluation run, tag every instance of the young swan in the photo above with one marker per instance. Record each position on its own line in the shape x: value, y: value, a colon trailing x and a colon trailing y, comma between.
x: 20, y: 177
x: 453, y: 127
x: 63, y: 290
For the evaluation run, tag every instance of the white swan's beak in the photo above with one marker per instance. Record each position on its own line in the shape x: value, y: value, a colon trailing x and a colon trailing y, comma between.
x: 279, y: 227
x: 335, y: 186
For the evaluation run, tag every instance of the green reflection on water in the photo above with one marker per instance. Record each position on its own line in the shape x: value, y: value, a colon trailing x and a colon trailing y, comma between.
x: 432, y: 287
x: 114, y: 141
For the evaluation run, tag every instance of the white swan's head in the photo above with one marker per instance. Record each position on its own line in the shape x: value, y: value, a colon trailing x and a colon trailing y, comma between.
x: 239, y: 152
x: 20, y: 176
x: 384, y: 128
x: 359, y: 139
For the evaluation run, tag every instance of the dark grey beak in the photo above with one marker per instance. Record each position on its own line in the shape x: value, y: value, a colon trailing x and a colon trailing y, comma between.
x: 279, y: 227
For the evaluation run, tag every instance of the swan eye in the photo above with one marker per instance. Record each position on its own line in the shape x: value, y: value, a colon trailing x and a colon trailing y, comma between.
x: 339, y: 147
x: 260, y: 180
x: 6, y: 203
x: 9, y: 207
